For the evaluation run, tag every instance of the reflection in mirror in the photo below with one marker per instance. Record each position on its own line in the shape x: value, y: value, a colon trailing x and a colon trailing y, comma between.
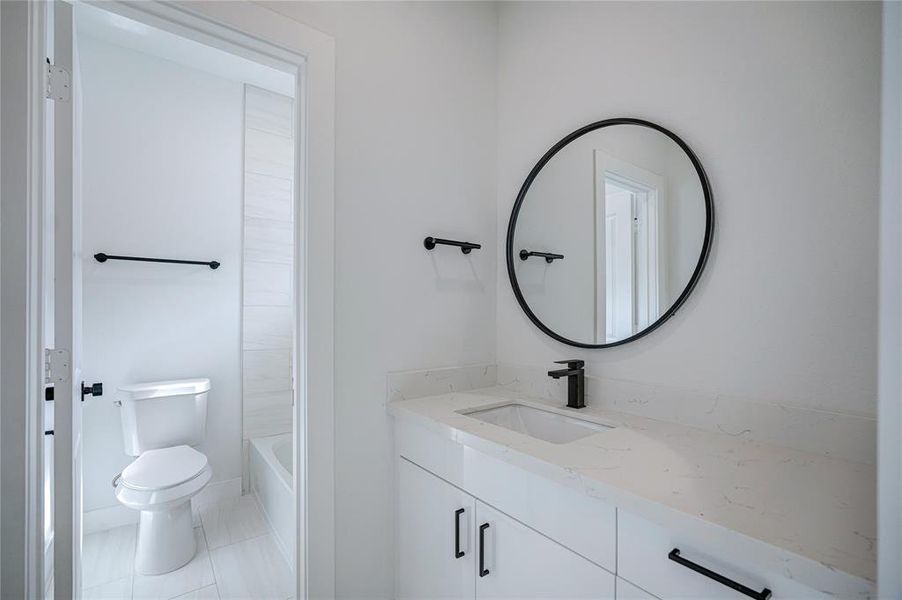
x: 626, y: 206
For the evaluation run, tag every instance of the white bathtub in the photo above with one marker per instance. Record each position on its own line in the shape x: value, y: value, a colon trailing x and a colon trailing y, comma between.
x: 272, y: 484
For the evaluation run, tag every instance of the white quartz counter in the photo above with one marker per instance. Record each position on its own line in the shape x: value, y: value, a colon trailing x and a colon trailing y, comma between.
x: 808, y: 517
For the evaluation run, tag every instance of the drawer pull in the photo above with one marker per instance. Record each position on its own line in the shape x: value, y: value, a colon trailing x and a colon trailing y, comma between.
x: 482, y: 570
x: 764, y: 594
x: 458, y: 553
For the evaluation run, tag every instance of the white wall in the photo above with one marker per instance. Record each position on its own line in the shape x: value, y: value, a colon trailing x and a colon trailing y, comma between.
x: 889, y: 499
x: 415, y: 156
x: 781, y: 103
x: 162, y: 159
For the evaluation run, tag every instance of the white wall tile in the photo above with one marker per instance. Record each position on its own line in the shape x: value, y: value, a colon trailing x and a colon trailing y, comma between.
x: 268, y: 111
x: 267, y: 197
x: 268, y: 327
x: 267, y: 284
x: 268, y: 240
x: 267, y: 371
x: 269, y: 256
x: 268, y: 419
x: 268, y: 154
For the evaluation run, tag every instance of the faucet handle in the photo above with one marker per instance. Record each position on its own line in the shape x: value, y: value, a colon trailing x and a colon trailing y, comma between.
x: 572, y: 363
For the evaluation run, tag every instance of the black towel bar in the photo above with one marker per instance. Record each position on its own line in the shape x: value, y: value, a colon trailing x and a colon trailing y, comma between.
x: 103, y: 257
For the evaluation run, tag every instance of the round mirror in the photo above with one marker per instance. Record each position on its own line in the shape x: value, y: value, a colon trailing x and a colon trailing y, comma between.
x: 609, y: 233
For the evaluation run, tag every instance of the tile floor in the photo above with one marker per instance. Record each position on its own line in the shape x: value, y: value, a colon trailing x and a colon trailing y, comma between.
x: 237, y: 558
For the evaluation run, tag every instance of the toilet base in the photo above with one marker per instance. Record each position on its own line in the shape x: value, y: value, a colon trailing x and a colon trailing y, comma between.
x: 165, y: 539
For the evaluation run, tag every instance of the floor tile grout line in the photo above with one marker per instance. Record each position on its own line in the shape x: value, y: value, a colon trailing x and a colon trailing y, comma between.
x: 132, y: 574
x: 210, y: 557
x: 247, y: 539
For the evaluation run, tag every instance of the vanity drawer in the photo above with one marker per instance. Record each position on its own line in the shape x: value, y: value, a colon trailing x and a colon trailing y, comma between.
x: 643, y: 550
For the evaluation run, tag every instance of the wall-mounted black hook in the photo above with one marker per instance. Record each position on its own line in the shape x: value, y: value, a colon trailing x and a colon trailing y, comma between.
x: 548, y: 256
x: 465, y: 247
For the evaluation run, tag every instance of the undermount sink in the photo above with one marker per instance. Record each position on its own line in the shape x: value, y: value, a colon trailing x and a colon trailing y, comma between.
x: 534, y: 422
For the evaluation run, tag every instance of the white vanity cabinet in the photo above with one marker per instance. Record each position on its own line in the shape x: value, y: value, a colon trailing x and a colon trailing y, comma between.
x: 521, y: 563
x: 480, y: 552
x: 541, y: 538
x: 435, y: 549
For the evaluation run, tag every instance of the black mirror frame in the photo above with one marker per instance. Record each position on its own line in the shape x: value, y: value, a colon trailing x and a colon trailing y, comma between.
x: 521, y: 196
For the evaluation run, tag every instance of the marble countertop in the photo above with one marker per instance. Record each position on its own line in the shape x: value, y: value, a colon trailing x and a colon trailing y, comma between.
x: 806, y: 516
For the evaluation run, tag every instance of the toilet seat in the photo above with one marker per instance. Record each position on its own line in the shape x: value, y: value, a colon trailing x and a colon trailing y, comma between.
x: 161, y: 477
x: 164, y: 468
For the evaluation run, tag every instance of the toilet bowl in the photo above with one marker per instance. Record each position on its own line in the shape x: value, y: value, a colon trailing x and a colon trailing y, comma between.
x: 160, y: 483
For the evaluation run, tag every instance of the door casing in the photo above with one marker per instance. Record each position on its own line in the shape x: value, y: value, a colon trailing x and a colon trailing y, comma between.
x: 277, y: 40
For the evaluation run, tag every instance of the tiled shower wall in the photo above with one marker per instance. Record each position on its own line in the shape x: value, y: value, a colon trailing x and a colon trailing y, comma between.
x: 268, y: 256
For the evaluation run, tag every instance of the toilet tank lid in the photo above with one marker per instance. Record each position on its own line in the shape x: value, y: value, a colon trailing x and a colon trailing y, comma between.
x: 163, y: 389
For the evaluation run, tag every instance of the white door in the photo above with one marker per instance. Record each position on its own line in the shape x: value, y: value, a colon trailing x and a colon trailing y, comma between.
x: 628, y: 283
x: 435, y: 536
x: 619, y: 247
x: 514, y: 561
x: 66, y: 245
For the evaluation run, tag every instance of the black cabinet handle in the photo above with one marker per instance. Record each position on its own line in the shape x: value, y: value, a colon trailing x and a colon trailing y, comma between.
x: 458, y: 553
x: 482, y: 570
x: 764, y: 594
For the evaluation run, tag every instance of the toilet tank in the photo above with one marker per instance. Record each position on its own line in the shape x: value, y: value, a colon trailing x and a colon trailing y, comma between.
x: 160, y: 414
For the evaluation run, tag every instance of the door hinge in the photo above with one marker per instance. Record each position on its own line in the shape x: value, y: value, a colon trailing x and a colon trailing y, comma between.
x: 59, y: 84
x: 57, y: 366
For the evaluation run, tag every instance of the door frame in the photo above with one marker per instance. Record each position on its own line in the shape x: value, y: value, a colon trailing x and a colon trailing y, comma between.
x: 21, y: 257
x: 255, y: 30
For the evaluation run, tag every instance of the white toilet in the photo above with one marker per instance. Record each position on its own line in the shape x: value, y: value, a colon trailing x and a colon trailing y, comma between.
x: 161, y: 421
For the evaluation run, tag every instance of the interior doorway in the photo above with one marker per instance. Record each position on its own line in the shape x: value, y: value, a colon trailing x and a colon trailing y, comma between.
x: 628, y: 246
x: 156, y: 181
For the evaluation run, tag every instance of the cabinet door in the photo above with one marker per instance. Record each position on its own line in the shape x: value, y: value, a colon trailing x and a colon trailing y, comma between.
x: 517, y: 562
x: 627, y: 591
x: 435, y: 528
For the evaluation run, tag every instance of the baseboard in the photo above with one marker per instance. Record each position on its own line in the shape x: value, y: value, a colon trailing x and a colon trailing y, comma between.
x: 109, y: 517
x: 213, y: 493
x: 275, y: 536
x: 219, y: 490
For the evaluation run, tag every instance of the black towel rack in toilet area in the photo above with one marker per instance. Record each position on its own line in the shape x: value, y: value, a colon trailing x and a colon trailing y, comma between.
x: 103, y: 257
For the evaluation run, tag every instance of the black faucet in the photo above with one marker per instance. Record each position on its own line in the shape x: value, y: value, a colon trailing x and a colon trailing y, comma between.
x: 576, y: 381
